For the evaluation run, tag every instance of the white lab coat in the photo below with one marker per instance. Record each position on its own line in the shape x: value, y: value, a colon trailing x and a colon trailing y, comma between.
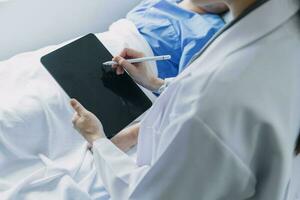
x: 226, y: 127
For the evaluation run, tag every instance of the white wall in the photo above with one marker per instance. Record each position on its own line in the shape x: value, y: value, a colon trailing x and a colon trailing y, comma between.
x: 27, y: 25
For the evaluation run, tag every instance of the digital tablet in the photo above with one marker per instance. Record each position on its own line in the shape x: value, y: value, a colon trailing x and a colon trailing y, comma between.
x: 115, y: 99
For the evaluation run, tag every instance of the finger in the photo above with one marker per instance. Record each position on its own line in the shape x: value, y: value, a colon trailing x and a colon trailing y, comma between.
x: 123, y: 53
x: 125, y: 64
x: 75, y: 118
x: 131, y: 53
x: 119, y: 70
x: 114, y: 66
x: 77, y: 107
x: 118, y: 59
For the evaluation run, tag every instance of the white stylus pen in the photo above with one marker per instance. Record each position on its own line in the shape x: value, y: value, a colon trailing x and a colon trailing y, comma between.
x: 143, y: 59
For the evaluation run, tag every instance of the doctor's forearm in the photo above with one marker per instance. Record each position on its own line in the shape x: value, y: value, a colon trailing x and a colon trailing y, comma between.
x: 126, y: 138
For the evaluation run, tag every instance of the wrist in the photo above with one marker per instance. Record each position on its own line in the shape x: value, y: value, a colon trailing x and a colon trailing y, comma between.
x: 94, y: 139
x: 156, y: 83
x: 96, y: 136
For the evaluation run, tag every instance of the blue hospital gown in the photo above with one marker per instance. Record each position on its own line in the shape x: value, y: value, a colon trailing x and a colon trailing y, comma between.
x: 172, y: 30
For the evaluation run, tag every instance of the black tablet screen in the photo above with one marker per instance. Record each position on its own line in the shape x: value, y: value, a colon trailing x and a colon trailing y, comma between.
x: 115, y: 99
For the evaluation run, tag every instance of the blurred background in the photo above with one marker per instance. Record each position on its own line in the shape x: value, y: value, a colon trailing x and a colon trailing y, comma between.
x: 27, y: 25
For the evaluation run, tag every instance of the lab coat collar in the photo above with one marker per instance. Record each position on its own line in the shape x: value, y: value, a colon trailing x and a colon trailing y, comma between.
x: 270, y: 15
x: 255, y: 25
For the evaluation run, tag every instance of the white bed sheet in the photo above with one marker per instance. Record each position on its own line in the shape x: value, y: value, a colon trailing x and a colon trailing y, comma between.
x: 41, y: 155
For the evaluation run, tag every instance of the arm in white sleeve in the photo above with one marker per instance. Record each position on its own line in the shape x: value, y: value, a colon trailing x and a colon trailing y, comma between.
x: 115, y: 168
x: 195, y: 165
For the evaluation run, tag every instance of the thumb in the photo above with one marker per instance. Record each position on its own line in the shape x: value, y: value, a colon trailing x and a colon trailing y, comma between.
x: 124, y: 63
x: 77, y: 107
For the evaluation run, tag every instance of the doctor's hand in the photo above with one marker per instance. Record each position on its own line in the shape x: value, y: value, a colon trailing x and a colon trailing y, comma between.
x: 86, y: 123
x: 140, y: 72
x: 127, y: 137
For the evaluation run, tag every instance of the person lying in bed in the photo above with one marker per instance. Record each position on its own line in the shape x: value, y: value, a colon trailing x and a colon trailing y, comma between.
x: 40, y: 154
x: 177, y: 28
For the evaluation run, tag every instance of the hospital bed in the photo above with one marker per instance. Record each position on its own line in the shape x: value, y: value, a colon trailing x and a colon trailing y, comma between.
x: 47, y: 158
x: 41, y: 155
x: 28, y: 25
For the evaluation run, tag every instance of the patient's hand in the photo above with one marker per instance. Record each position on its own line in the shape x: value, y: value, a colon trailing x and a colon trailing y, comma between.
x: 140, y: 72
x: 127, y: 138
x: 86, y: 123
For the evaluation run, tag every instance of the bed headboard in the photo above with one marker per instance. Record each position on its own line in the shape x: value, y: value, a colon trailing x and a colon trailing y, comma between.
x: 27, y: 25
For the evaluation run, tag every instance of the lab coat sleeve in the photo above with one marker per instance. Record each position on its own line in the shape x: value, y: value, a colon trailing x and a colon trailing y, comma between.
x: 196, y: 164
x: 115, y: 168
